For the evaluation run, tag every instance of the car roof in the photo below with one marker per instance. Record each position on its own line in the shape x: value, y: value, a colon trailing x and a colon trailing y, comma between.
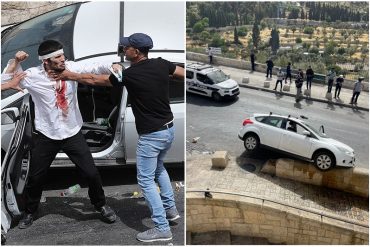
x: 201, y: 67
x: 293, y: 118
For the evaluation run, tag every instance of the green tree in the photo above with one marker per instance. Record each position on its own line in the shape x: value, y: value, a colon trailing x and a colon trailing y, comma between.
x: 298, y: 40
x: 217, y: 41
x: 204, y: 36
x: 198, y: 27
x: 274, y: 41
x: 308, y: 30
x: 242, y: 32
x: 255, y: 35
x: 236, y: 37
x: 341, y: 51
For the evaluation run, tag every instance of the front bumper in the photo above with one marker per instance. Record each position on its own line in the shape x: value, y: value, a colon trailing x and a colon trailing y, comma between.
x: 346, y: 160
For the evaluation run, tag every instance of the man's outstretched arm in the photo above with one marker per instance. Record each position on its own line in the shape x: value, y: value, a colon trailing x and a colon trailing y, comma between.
x: 86, y: 78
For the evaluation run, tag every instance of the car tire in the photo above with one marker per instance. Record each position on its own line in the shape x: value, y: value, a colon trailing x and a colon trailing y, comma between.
x: 324, y: 160
x: 251, y: 142
x: 216, y: 97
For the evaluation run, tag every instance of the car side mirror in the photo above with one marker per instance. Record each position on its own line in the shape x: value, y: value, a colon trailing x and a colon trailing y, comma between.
x: 306, y: 133
x: 9, y: 115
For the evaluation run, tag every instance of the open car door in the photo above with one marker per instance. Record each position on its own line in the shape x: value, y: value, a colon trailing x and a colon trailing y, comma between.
x: 15, y: 168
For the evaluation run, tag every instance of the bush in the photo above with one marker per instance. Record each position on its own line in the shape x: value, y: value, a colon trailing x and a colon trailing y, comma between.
x: 298, y: 40
x: 198, y: 27
x: 242, y: 32
x: 308, y: 30
x: 341, y: 51
x: 204, y: 36
x: 217, y: 41
x: 314, y: 50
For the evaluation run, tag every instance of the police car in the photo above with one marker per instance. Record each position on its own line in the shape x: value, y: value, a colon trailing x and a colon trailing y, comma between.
x: 206, y: 80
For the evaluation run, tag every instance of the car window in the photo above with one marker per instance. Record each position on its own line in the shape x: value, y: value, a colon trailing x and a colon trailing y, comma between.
x: 260, y: 119
x: 189, y: 74
x: 273, y: 121
x: 300, y: 129
x: 217, y: 76
x: 27, y: 36
x: 202, y: 78
x: 7, y: 118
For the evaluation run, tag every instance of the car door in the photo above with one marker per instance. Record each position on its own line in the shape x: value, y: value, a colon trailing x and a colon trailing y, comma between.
x: 271, y: 131
x: 295, y: 142
x: 16, y: 164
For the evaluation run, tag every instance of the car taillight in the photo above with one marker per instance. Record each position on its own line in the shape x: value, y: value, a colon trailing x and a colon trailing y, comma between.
x: 247, y: 121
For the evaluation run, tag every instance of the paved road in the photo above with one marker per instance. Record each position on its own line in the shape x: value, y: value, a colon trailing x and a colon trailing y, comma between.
x: 73, y: 221
x: 217, y: 124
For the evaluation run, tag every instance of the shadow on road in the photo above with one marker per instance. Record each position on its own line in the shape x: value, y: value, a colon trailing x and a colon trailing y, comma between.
x: 200, y: 100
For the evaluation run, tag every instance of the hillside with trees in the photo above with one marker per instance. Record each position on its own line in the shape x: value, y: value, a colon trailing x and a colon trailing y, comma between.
x: 323, y: 34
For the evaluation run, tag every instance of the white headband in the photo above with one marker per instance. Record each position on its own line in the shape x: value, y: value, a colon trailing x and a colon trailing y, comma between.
x: 53, y: 54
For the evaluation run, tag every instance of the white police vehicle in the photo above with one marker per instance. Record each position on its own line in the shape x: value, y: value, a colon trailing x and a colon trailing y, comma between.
x: 206, y: 80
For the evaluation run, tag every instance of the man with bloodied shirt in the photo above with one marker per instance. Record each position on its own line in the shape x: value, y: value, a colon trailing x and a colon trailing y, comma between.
x: 58, y: 123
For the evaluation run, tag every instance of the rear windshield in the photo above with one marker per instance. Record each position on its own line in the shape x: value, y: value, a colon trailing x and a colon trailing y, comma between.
x: 27, y: 36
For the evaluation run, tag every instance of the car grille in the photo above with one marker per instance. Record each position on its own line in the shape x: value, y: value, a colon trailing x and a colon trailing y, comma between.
x: 235, y: 91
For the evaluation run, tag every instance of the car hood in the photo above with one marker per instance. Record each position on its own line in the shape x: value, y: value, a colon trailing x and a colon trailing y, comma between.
x: 339, y: 144
x: 230, y: 83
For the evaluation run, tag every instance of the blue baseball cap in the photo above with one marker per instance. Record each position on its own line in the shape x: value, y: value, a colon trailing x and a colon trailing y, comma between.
x: 137, y: 40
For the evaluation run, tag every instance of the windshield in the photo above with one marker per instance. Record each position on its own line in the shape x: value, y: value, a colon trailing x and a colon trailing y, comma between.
x: 27, y: 36
x: 217, y: 76
x: 323, y: 135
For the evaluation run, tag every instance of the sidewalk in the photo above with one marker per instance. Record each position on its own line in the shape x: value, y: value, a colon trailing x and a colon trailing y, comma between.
x: 237, y: 178
x: 318, y: 91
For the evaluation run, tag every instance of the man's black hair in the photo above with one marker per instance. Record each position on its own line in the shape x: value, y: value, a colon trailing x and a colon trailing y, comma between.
x: 144, y: 50
x: 49, y: 46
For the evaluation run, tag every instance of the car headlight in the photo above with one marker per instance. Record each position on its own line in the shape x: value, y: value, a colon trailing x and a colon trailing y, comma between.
x: 344, y: 150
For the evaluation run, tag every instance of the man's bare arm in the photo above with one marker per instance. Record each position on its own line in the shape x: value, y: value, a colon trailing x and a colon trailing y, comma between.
x: 19, y: 57
x: 87, y: 78
x: 179, y: 72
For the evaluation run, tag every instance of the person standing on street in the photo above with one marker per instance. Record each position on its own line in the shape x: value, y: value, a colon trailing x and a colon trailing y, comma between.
x: 280, y: 77
x: 58, y: 123
x: 331, y: 75
x: 253, y: 57
x: 270, y: 65
x: 298, y: 84
x: 309, y: 75
x: 210, y: 55
x: 147, y: 83
x: 358, y: 87
x: 338, y: 86
x: 288, y: 73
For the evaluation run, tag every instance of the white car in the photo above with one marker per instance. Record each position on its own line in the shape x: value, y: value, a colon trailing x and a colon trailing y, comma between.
x: 295, y: 137
x: 206, y: 80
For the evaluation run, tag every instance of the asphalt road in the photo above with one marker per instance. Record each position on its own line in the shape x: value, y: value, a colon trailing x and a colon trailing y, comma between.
x: 73, y: 221
x: 217, y: 124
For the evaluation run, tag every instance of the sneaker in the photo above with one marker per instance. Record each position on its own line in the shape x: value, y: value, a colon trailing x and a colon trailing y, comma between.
x: 172, y: 214
x: 154, y: 234
x: 26, y: 221
x: 108, y: 214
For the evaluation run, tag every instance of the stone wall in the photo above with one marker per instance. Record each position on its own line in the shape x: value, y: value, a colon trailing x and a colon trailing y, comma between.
x: 240, y: 64
x: 278, y: 223
x: 15, y: 11
x: 352, y: 180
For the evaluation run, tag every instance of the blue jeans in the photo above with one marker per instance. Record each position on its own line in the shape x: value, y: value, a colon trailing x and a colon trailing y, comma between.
x: 151, y: 149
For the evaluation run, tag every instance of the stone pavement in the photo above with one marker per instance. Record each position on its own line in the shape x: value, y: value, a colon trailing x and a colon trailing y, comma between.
x: 237, y: 179
x: 318, y: 91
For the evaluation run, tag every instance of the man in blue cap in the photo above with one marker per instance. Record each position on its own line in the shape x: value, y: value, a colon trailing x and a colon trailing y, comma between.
x: 147, y: 82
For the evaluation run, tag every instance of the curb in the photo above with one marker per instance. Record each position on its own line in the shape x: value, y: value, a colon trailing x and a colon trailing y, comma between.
x: 313, y: 99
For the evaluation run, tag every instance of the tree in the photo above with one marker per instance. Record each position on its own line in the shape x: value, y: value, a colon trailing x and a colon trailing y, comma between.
x: 255, y: 35
x: 236, y: 37
x: 308, y: 30
x: 198, y: 27
x: 293, y: 14
x: 298, y: 40
x: 274, y: 41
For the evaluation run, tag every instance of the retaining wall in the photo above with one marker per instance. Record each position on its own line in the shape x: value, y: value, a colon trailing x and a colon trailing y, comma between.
x: 278, y: 223
x: 352, y: 180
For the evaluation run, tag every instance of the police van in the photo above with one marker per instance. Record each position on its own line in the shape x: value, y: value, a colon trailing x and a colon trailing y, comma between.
x: 206, y: 80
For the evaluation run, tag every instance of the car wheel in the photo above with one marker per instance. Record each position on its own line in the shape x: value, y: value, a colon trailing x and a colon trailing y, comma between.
x: 251, y: 143
x: 216, y: 97
x: 324, y: 160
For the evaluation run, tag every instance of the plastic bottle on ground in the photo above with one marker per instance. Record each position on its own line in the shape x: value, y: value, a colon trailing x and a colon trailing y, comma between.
x: 71, y: 190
